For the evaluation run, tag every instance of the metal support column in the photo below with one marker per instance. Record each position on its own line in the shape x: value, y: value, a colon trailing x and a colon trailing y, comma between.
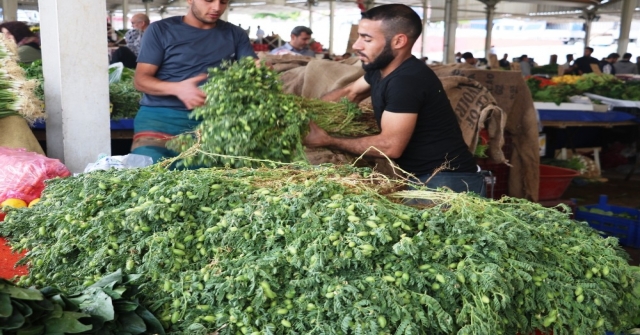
x: 310, y: 14
x: 628, y: 7
x: 589, y: 15
x: 426, y: 4
x: 10, y: 10
x: 332, y: 13
x: 491, y: 10
x: 125, y: 14
x: 451, y: 24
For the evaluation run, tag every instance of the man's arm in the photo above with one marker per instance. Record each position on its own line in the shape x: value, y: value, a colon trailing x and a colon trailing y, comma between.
x: 355, y: 92
x: 397, y: 129
x: 187, y: 90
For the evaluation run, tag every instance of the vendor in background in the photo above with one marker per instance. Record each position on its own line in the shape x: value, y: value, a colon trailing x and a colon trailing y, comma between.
x: 477, y: 62
x: 419, y: 129
x: 582, y: 65
x: 299, y: 44
x: 504, y: 62
x: 139, y: 23
x: 27, y: 41
x: 625, y: 66
x: 525, y: 65
x: 566, y: 67
x: 174, y: 60
x: 606, y: 66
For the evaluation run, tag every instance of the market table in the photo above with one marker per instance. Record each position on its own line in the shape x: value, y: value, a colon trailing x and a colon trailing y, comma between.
x: 574, y: 118
x: 121, y: 129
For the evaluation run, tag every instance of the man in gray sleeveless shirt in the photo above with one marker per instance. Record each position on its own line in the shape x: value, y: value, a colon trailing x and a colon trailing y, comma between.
x: 174, y: 59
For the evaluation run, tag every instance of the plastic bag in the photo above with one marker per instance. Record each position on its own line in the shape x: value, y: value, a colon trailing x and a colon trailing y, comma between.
x: 115, y: 72
x: 22, y: 173
x: 129, y: 161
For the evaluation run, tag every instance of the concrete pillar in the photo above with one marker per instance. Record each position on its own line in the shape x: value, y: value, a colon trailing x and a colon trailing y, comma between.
x: 425, y: 24
x: 450, y: 26
x: 588, y: 16
x: 628, y: 7
x: 491, y: 10
x: 77, y: 98
x: 146, y: 8
x: 332, y: 14
x: 125, y: 14
x: 10, y: 10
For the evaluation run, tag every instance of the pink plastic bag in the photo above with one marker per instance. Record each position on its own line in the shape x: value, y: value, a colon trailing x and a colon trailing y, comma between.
x: 22, y: 173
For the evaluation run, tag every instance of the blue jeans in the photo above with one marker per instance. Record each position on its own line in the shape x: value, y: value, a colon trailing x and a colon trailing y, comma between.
x: 457, y: 182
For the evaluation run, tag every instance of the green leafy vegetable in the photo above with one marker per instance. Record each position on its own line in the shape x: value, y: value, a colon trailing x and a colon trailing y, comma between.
x: 321, y: 250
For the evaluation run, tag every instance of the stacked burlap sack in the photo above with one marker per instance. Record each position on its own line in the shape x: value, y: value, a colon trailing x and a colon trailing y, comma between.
x: 495, y: 100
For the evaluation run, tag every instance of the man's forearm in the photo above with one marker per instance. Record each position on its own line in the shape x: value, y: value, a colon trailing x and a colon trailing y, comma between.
x: 154, y: 86
x: 367, y: 144
x: 337, y: 94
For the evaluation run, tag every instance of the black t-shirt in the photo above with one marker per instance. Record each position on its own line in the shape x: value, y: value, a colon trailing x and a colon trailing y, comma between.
x: 584, y: 64
x: 414, y: 88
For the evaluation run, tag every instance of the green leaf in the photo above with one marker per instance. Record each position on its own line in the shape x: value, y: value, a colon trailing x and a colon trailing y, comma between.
x: 15, y: 321
x: 132, y: 323
x: 124, y: 306
x: 23, y: 308
x: 5, y: 306
x: 153, y: 325
x: 22, y: 293
x: 68, y: 322
x: 31, y: 330
x: 109, y: 280
x: 96, y: 303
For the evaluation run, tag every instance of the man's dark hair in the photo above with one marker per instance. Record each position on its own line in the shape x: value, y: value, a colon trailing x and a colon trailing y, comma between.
x: 397, y: 19
x: 569, y: 56
x: 301, y: 29
x: 467, y: 55
x: 626, y: 56
x: 614, y: 55
x: 524, y: 56
x: 18, y: 29
x: 589, y: 48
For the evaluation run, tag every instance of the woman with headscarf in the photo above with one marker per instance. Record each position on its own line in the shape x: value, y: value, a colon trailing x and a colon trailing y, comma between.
x: 27, y: 41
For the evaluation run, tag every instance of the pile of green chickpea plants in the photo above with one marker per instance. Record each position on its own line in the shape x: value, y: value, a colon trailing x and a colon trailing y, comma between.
x: 324, y: 250
x: 247, y: 114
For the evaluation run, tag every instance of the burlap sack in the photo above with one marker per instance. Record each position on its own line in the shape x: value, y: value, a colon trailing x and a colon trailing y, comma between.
x: 15, y: 133
x: 512, y: 95
x: 475, y: 107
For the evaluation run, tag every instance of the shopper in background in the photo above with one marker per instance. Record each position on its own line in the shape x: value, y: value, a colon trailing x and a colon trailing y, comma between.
x: 175, y: 56
x: 480, y: 63
x: 582, y: 65
x: 139, y: 23
x: 606, y: 66
x: 525, y: 65
x: 565, y: 68
x: 419, y: 128
x: 624, y: 66
x: 504, y: 62
x: 259, y: 35
x: 299, y: 43
x: 27, y: 41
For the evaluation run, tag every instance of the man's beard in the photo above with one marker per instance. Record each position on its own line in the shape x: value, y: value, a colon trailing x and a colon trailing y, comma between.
x: 383, y: 59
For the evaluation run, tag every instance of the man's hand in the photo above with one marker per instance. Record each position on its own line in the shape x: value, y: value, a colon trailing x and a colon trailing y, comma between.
x: 189, y: 93
x: 317, y: 137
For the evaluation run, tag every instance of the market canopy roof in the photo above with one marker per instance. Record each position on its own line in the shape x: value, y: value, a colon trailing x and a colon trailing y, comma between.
x: 467, y: 9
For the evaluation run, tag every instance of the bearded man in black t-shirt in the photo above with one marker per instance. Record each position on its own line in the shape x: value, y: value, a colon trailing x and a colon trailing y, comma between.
x: 418, y: 127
